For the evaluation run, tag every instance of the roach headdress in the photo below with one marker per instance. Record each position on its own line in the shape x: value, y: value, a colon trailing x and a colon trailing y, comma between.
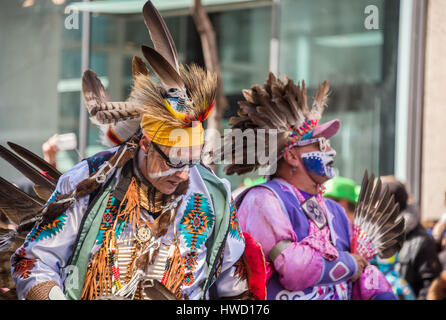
x: 281, y: 106
x: 182, y: 99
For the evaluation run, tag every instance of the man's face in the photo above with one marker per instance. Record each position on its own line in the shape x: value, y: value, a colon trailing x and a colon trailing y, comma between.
x: 318, y: 160
x: 159, y: 173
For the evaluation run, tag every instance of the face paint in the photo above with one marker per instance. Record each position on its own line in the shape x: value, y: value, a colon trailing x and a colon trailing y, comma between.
x: 165, y: 173
x: 316, y: 162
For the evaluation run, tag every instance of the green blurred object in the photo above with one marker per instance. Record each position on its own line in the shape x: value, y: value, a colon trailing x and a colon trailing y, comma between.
x: 357, y: 191
x: 341, y: 188
x: 253, y: 182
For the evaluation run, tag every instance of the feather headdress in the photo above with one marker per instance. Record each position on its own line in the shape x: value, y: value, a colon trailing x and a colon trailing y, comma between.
x: 183, y: 94
x: 280, y: 105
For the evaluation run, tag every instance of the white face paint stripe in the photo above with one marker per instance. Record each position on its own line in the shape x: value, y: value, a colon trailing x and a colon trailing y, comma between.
x: 166, y: 173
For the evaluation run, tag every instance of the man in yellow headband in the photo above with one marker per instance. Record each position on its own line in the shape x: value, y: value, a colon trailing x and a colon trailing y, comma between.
x: 143, y: 220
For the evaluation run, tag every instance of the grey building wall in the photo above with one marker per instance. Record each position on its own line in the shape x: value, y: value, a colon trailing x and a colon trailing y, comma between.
x: 29, y: 71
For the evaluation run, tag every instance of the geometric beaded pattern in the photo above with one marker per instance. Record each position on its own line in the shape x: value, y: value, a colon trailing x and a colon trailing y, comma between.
x: 234, y: 226
x: 21, y: 265
x: 110, y: 213
x: 197, y: 221
x: 195, y: 225
x: 50, y: 229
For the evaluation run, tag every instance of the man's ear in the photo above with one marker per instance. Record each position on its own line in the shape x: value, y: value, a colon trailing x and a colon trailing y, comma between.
x: 144, y: 143
x: 291, y: 156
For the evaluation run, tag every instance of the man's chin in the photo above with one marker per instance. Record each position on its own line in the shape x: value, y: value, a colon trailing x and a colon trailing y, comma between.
x: 319, y: 179
x: 177, y: 190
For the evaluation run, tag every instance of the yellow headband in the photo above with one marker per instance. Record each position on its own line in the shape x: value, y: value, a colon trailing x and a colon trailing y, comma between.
x: 161, y: 133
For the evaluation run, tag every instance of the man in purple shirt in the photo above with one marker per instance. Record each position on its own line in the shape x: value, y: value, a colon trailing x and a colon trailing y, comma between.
x: 305, y: 237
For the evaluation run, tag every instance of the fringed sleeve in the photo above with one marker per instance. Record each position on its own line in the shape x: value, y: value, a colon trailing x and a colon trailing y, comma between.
x: 47, y: 249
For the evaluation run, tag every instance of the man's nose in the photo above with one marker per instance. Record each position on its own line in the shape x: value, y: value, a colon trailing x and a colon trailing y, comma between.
x: 331, y: 152
x: 182, y: 174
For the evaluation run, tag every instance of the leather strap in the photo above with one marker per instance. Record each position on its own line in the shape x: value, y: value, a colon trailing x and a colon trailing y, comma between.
x: 278, y: 248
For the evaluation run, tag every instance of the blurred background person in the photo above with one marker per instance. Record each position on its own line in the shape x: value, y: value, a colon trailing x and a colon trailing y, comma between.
x: 437, y: 290
x: 343, y: 191
x: 417, y: 260
x: 439, y: 235
x: 400, y: 286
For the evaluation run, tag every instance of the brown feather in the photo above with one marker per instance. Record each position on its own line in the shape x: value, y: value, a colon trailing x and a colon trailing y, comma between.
x: 280, y: 105
x: 378, y: 217
x: 167, y: 74
x: 9, y: 295
x: 93, y: 91
x: 36, y: 160
x: 139, y: 67
x: 320, y: 101
x: 160, y: 35
x: 6, y: 280
x: 114, y: 112
x: 201, y: 86
x: 17, y: 204
x: 42, y: 192
x: 27, y: 170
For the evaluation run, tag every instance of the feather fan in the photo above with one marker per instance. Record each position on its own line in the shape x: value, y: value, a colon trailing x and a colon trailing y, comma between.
x: 378, y: 227
x: 44, y: 166
x: 19, y: 207
x: 26, y: 169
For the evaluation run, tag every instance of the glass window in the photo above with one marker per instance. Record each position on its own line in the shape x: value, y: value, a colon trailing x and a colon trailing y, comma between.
x: 36, y: 69
x: 40, y: 69
x: 328, y: 40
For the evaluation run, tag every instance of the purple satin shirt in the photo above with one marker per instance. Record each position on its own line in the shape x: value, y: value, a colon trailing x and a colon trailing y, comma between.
x: 272, y: 213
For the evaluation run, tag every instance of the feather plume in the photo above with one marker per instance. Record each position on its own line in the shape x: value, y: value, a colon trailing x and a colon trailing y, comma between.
x: 120, y: 119
x: 200, y: 86
x: 167, y: 74
x: 5, y: 280
x: 378, y: 227
x: 114, y: 112
x: 40, y: 163
x: 280, y: 105
x: 320, y: 101
x: 42, y: 192
x: 139, y: 67
x: 159, y: 292
x: 27, y: 170
x: 148, y: 97
x: 9, y: 295
x: 93, y: 91
x: 16, y: 204
x: 160, y: 35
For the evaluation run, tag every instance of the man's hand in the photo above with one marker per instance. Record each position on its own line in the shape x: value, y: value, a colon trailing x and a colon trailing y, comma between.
x: 50, y: 149
x: 362, y: 264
